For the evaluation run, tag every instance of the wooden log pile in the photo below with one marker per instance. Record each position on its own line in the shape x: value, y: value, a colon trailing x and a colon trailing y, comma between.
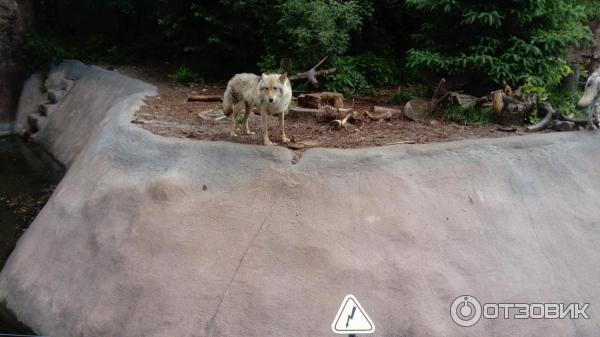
x: 512, y: 107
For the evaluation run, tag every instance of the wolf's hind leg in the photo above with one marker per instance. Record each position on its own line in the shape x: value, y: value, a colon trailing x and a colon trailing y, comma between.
x: 246, y: 117
x: 236, y: 110
x: 591, y: 112
x: 597, y: 114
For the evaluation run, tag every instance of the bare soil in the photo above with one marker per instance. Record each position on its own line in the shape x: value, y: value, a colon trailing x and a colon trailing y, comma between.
x: 171, y: 115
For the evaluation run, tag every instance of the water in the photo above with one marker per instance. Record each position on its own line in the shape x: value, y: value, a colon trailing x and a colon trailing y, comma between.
x: 28, y: 176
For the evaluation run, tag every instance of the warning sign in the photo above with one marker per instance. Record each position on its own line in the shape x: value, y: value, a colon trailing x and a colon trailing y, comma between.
x: 352, y: 318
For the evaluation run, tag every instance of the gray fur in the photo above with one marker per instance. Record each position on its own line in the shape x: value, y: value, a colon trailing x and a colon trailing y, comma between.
x: 590, y: 100
x: 270, y: 94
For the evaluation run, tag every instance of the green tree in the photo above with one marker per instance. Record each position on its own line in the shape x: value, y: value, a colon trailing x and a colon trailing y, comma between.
x: 509, y: 41
x: 311, y: 29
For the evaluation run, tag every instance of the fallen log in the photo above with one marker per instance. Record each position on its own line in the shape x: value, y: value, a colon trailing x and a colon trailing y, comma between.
x: 317, y: 100
x: 382, y: 113
x: 299, y: 112
x: 510, y: 107
x: 563, y: 126
x: 205, y: 98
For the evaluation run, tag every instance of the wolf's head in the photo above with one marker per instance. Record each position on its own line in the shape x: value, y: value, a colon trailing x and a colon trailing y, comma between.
x: 271, y: 87
x: 592, y: 91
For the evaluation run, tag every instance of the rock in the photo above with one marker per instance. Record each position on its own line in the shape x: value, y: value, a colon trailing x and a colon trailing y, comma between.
x: 418, y: 109
x: 55, y: 96
x: 37, y: 122
x: 47, y: 109
x: 29, y: 103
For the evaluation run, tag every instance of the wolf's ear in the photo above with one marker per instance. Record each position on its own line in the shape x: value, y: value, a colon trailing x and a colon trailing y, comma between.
x: 263, y: 76
x: 283, y: 77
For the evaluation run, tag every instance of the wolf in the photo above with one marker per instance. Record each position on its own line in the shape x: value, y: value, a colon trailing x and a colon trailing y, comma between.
x: 269, y: 93
x: 590, y: 99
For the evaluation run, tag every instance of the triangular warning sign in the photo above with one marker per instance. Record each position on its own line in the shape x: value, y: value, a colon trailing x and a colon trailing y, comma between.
x: 352, y: 318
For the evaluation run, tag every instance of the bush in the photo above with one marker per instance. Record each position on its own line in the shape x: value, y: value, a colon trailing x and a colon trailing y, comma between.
x: 185, y: 75
x: 348, y: 79
x: 313, y: 28
x: 505, y: 41
x: 378, y: 71
x: 269, y: 64
x: 410, y: 92
x: 39, y: 52
x: 457, y: 114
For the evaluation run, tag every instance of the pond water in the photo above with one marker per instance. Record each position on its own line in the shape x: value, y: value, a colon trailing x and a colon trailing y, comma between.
x: 28, y: 175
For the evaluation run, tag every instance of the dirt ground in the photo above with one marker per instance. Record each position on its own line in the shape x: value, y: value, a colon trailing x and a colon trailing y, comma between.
x: 170, y: 114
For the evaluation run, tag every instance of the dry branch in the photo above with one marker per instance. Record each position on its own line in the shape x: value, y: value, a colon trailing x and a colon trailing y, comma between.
x: 556, y: 119
x: 543, y: 123
x: 312, y: 73
x: 338, y: 124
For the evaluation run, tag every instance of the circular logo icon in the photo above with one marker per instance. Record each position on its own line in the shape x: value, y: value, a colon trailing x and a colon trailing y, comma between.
x: 465, y: 310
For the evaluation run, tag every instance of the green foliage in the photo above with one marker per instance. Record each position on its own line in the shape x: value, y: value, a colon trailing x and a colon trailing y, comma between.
x: 378, y: 71
x: 269, y: 64
x: 456, y: 114
x: 504, y: 41
x: 359, y: 74
x: 185, y: 75
x: 409, y: 92
x: 478, y: 41
x: 313, y: 28
x: 348, y: 79
x: 592, y: 9
x: 565, y: 102
x: 39, y: 52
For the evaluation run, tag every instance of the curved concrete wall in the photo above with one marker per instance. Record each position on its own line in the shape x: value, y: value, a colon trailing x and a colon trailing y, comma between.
x: 150, y: 236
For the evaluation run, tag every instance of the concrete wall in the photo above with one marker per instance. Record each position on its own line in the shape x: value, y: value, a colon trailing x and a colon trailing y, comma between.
x: 150, y: 236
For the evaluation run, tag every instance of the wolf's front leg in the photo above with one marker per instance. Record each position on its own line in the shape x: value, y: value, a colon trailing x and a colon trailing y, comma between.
x: 283, y: 137
x: 265, y: 120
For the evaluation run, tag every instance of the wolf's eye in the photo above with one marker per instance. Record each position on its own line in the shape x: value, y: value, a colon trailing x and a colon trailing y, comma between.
x: 264, y: 88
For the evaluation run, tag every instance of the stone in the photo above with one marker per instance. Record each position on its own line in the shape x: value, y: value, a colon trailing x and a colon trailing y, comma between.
x: 55, y: 96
